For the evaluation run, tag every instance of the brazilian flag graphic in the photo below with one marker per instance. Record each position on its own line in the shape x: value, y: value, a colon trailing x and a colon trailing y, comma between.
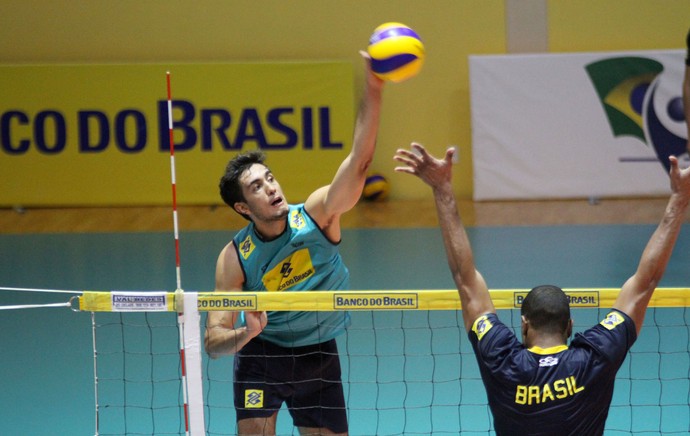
x: 622, y: 84
x: 628, y: 88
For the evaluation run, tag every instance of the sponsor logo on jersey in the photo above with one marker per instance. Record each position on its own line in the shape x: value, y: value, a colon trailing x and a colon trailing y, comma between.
x: 246, y: 247
x: 548, y: 361
x: 296, y: 220
x: 481, y: 326
x: 293, y: 270
x: 612, y: 320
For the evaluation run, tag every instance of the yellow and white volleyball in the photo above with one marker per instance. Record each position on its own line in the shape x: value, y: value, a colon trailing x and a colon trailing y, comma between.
x: 376, y: 188
x: 396, y: 51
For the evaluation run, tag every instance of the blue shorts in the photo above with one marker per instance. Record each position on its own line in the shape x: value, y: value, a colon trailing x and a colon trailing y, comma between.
x: 307, y: 379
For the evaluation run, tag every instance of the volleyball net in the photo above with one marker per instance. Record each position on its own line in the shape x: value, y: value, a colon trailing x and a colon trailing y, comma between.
x: 408, y: 366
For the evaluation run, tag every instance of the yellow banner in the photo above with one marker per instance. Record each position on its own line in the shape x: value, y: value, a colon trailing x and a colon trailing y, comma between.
x: 99, y: 135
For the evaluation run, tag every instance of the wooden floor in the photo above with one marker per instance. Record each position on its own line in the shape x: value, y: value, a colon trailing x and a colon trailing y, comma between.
x: 395, y: 214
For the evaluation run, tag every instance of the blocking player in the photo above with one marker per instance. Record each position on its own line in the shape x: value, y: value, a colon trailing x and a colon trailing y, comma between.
x: 545, y: 385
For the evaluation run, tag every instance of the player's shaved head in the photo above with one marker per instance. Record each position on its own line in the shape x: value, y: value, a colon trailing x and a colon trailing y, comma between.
x: 547, y: 309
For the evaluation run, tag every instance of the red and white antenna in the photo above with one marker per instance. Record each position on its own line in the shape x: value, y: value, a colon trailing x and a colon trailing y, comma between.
x: 178, y: 290
x: 174, y: 186
x: 188, y: 319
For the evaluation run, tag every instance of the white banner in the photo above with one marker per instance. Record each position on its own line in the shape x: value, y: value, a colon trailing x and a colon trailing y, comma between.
x: 576, y: 125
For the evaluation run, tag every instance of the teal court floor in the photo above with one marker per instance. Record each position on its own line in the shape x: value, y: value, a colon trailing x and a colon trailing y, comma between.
x: 47, y: 361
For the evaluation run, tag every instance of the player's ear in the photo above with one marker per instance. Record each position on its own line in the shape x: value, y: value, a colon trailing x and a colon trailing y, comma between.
x: 569, y: 330
x: 242, y: 208
x: 524, y: 326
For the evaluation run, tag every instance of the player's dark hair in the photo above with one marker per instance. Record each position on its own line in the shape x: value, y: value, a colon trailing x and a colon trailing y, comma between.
x: 547, y: 309
x: 230, y: 187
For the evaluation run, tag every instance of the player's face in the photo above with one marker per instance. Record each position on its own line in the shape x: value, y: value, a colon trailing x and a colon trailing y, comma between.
x: 263, y: 195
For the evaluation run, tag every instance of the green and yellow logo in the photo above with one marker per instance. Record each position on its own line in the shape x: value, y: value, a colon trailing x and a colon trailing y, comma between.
x: 246, y: 247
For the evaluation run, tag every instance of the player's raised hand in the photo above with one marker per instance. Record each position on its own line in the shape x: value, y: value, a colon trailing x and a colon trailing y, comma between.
x: 417, y: 161
x: 680, y: 178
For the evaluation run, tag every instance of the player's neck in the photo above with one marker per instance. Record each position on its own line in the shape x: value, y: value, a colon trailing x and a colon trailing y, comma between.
x: 270, y: 230
x: 544, y: 341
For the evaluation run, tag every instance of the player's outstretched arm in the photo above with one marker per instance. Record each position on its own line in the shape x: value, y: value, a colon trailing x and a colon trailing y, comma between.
x: 221, y: 336
x: 686, y: 103
x: 686, y: 90
x: 638, y: 289
x: 437, y: 173
x: 328, y: 202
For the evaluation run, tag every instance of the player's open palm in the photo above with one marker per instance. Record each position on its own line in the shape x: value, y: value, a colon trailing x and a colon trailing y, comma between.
x: 434, y: 172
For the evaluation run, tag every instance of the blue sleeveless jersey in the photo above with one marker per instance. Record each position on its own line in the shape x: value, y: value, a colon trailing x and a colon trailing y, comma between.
x: 301, y: 259
x: 563, y: 390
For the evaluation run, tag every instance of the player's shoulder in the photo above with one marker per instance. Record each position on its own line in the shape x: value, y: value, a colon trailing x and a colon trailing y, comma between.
x: 490, y: 326
x: 615, y: 331
x: 229, y: 247
x: 228, y: 255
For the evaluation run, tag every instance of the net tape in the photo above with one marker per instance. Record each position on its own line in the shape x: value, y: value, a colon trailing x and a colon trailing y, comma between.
x: 350, y: 300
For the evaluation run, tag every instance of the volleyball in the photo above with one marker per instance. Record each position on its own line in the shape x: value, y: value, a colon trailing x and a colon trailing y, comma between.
x: 376, y: 188
x: 396, y: 51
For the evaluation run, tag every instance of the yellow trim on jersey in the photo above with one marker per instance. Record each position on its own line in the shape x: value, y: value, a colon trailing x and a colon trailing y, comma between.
x: 546, y: 351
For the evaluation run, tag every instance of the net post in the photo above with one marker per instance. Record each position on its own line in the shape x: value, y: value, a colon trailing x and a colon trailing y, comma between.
x: 192, y: 363
x: 95, y: 372
x: 183, y: 362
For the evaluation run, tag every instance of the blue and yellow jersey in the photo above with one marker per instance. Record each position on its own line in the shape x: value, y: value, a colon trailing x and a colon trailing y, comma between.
x: 554, y: 391
x: 301, y: 259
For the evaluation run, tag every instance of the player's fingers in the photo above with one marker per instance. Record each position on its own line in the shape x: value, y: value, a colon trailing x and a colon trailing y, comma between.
x: 407, y: 165
x: 407, y: 170
x: 450, y: 152
x: 673, y: 161
x: 419, y: 149
x: 410, y: 156
x: 403, y: 160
